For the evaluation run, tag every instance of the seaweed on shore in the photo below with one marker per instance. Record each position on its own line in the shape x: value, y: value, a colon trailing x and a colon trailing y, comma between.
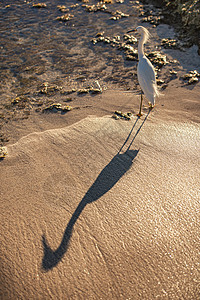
x: 3, y: 152
x: 40, y: 5
x: 120, y: 115
x: 55, y: 107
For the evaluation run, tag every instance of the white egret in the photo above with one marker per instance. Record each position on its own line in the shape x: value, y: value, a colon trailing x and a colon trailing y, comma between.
x: 145, y: 71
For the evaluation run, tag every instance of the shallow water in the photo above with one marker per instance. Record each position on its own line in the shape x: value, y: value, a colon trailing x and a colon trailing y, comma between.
x: 35, y: 47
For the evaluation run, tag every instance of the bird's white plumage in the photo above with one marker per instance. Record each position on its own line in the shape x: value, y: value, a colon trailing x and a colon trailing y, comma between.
x: 147, y: 79
x: 145, y: 69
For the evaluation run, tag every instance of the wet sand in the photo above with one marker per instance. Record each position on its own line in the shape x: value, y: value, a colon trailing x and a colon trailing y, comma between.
x: 102, y: 208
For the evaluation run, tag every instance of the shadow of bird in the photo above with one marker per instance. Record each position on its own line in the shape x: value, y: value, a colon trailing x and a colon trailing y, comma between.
x: 107, y: 178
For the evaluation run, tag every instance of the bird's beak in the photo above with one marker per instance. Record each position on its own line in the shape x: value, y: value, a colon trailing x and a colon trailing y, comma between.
x: 131, y: 30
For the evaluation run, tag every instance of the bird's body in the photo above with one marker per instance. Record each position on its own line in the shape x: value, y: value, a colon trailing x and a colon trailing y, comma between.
x: 147, y: 79
x: 145, y: 71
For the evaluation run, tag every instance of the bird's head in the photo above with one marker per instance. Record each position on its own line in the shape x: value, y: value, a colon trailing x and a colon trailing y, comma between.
x: 141, y: 30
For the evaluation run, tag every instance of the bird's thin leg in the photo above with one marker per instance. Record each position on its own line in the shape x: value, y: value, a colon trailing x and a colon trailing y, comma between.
x: 140, y: 111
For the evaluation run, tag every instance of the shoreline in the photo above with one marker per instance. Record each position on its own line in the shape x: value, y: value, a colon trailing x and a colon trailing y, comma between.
x: 176, y: 103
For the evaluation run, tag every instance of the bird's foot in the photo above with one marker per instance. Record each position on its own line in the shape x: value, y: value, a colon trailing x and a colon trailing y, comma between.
x: 151, y: 106
x: 139, y: 115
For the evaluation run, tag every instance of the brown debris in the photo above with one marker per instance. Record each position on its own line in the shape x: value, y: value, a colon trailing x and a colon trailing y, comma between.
x: 90, y: 89
x: 74, y: 5
x: 20, y: 101
x: 55, y: 107
x: 62, y: 8
x: 65, y: 18
x: 170, y: 43
x: 3, y: 152
x: 68, y: 92
x: 46, y: 88
x: 157, y: 58
x: 130, y: 39
x: 98, y: 7
x: 118, y: 15
x: 40, y: 5
x: 191, y: 77
x: 120, y: 115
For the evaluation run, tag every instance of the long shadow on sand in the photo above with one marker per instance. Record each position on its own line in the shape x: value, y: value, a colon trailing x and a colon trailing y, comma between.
x: 108, y: 177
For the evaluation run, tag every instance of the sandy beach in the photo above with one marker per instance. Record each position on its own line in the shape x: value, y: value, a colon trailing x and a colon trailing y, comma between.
x: 104, y: 208
x: 92, y: 206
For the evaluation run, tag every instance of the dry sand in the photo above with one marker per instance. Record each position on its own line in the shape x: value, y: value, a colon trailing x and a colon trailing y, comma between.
x: 97, y: 208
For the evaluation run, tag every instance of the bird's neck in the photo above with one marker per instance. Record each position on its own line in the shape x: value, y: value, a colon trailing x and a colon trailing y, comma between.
x: 141, y: 46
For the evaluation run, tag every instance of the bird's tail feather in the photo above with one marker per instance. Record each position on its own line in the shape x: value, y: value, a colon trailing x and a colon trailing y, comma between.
x: 157, y: 92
